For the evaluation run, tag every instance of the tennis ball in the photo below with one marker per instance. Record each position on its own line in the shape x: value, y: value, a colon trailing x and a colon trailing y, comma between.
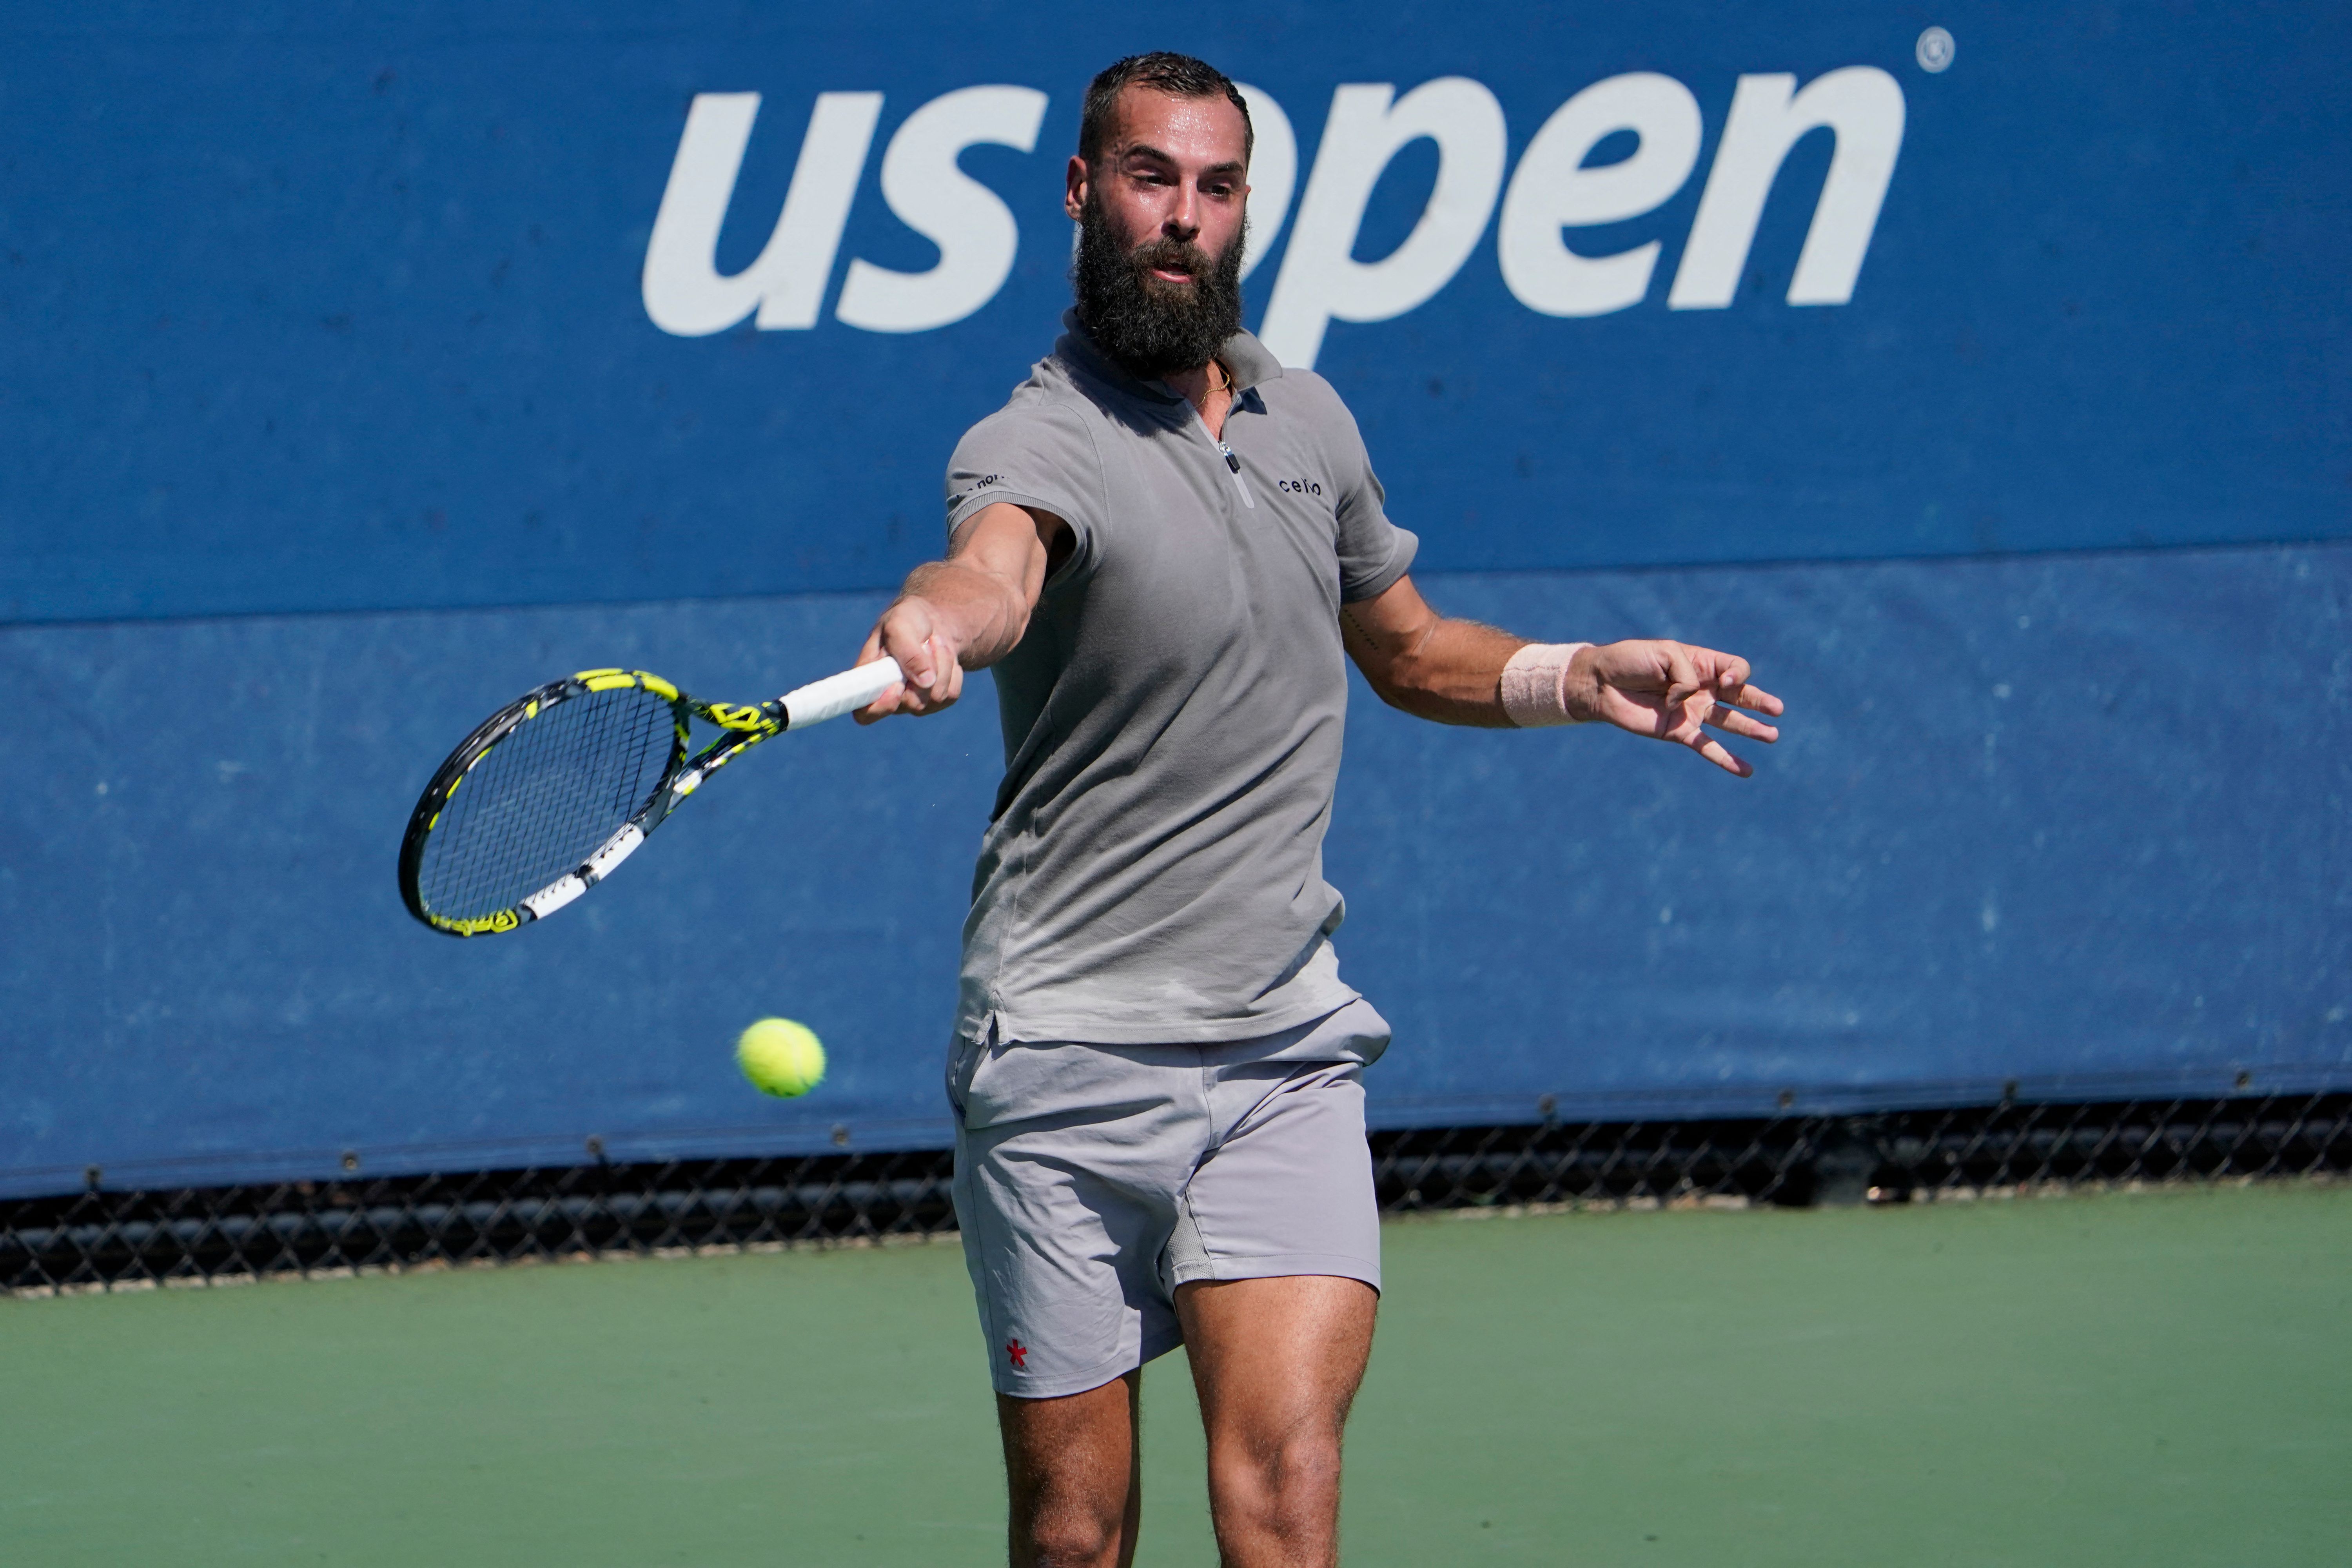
x: 781, y: 1057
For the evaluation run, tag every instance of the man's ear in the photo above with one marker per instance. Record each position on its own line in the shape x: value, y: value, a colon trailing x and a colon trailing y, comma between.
x: 1074, y: 189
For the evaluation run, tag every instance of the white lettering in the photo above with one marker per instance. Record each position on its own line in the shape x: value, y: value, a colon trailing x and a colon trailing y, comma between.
x: 1552, y: 189
x: 971, y: 225
x: 681, y: 287
x: 1320, y: 278
x: 1273, y: 174
x: 1862, y: 107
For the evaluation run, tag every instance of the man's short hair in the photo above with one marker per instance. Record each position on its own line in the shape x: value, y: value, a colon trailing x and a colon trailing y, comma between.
x: 1162, y: 71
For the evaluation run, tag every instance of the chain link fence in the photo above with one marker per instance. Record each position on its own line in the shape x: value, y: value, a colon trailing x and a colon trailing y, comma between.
x: 1910, y: 1156
x: 102, y: 1239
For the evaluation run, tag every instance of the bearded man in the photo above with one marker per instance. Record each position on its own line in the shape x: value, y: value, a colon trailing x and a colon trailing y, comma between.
x: 1164, y: 545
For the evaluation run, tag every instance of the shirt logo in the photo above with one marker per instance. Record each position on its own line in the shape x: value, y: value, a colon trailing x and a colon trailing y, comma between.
x: 1298, y: 487
x: 1018, y: 1354
x: 979, y: 485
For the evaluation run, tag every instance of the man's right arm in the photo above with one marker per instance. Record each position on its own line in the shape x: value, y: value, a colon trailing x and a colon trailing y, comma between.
x: 966, y: 612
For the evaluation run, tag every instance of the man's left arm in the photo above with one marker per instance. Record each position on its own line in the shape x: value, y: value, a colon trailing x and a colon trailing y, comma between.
x: 1459, y: 672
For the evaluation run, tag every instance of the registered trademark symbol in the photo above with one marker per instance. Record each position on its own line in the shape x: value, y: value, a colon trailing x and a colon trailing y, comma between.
x: 1935, y: 50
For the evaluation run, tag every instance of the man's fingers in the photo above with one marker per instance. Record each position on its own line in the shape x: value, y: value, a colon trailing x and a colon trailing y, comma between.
x: 1704, y: 691
x: 1682, y: 681
x: 1714, y: 750
x: 885, y: 700
x: 934, y: 676
x: 937, y: 684
x: 1684, y: 724
x: 1732, y: 721
x: 1756, y: 697
x: 891, y: 700
x: 934, y: 680
x: 946, y: 675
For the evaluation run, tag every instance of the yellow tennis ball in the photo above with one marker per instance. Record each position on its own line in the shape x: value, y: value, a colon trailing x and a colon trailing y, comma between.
x: 781, y: 1057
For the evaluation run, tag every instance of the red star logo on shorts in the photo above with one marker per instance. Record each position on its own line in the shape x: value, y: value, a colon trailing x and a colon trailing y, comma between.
x: 1020, y: 1354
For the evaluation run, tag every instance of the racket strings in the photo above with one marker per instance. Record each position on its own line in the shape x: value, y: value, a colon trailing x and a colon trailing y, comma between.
x: 543, y: 799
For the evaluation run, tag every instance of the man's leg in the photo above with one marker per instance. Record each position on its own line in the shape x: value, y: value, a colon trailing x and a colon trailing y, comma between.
x: 1068, y: 1160
x: 1073, y: 1469
x: 1276, y: 1363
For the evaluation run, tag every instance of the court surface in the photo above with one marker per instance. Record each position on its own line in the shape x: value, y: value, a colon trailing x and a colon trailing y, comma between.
x: 2150, y: 1378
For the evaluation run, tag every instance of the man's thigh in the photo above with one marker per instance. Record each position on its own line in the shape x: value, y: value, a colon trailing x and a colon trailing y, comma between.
x: 1073, y: 1469
x: 1069, y: 1162
x: 1281, y: 1354
x: 1287, y: 1190
x: 1276, y: 1363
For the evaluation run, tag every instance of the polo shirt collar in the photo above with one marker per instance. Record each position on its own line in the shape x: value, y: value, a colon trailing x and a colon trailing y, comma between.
x: 1242, y: 354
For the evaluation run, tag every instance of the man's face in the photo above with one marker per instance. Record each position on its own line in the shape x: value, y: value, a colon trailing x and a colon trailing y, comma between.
x: 1173, y: 168
x: 1160, y: 215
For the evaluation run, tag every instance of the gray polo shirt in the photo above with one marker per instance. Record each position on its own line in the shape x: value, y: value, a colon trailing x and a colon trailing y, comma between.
x: 1153, y: 871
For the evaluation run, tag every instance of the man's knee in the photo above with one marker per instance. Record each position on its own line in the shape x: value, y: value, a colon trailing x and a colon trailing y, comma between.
x: 1068, y: 1533
x: 1070, y: 1470
x: 1291, y: 1479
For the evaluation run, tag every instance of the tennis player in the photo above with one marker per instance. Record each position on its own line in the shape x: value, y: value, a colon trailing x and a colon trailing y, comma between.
x: 1163, y: 545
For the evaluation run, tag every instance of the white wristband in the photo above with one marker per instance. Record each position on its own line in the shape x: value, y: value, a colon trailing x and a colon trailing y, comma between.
x: 1535, y: 684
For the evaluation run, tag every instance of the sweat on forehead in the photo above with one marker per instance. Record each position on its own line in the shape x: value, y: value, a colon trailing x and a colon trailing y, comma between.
x: 1184, y: 130
x: 1173, y: 75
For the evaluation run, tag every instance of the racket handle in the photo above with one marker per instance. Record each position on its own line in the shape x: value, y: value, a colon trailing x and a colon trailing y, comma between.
x: 839, y: 694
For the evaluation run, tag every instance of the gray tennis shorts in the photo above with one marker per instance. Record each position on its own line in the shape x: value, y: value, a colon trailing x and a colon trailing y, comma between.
x: 1091, y: 1181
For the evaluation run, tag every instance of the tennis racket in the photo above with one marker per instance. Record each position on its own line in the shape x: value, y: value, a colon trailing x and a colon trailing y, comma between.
x: 561, y: 785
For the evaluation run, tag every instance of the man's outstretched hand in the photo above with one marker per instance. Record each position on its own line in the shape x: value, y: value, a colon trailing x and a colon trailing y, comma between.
x: 1672, y: 691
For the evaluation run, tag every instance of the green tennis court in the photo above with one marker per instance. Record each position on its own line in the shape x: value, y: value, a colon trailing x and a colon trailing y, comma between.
x: 2162, y: 1377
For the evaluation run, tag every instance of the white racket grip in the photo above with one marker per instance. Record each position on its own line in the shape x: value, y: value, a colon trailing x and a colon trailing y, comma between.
x: 839, y: 694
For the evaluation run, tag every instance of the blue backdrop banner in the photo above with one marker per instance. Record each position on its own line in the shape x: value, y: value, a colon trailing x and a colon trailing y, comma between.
x: 2078, y: 823
x: 1979, y: 371
x: 341, y: 306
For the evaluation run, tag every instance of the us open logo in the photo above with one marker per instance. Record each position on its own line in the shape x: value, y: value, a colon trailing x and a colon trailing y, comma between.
x: 1550, y: 193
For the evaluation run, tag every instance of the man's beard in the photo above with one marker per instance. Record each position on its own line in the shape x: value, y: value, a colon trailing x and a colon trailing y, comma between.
x: 1151, y: 328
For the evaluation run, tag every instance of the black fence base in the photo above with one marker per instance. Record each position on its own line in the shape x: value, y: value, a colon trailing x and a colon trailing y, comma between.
x: 104, y: 1240
x: 1888, y: 1157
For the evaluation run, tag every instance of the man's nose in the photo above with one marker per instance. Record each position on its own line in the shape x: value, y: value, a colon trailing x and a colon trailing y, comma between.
x: 1184, y: 220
